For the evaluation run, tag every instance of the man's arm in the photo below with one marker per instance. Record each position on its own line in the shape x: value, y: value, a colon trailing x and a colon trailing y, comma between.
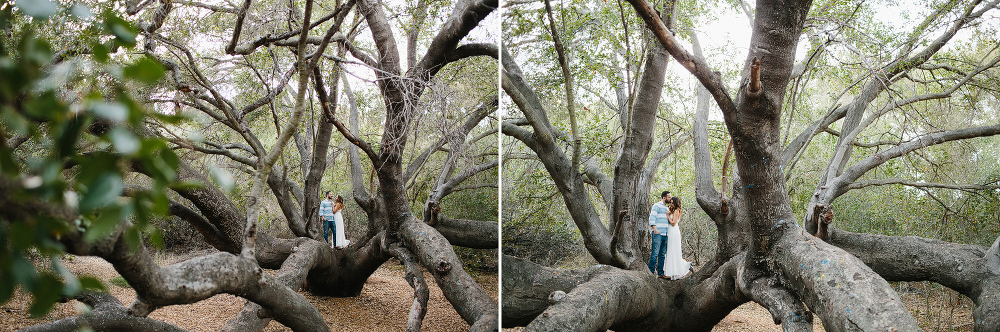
x: 652, y: 219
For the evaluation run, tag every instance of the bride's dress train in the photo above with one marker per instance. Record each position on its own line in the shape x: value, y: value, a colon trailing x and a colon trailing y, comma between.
x: 340, y: 240
x: 674, y: 264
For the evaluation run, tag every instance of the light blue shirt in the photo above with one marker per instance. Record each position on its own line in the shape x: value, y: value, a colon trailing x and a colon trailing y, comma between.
x: 326, y: 209
x: 658, y: 217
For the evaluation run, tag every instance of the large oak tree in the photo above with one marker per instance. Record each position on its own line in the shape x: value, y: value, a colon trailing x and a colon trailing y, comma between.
x: 762, y: 254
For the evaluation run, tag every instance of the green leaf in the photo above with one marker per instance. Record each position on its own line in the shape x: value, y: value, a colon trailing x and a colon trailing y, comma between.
x: 112, y: 111
x: 17, y: 123
x: 67, y: 134
x: 222, y: 178
x: 103, y: 190
x: 124, y: 141
x: 92, y: 283
x: 104, y: 224
x: 44, y: 107
x: 156, y: 238
x: 170, y: 158
x: 71, y: 283
x: 100, y: 51
x: 22, y: 235
x: 132, y: 237
x: 81, y: 11
x: 123, y: 31
x: 37, y: 8
x: 22, y: 272
x: 7, y: 164
x: 168, y: 118
x: 6, y: 287
x: 46, y: 292
x: 187, y: 185
x: 146, y: 70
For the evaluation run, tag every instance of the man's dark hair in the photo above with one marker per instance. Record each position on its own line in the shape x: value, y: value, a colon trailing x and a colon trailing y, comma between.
x: 665, y: 193
x: 327, y: 192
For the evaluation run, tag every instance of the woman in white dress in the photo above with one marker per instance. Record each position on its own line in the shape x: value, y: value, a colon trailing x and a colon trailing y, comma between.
x: 674, y: 265
x: 340, y: 241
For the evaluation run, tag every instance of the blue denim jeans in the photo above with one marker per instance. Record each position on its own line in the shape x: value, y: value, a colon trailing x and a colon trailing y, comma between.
x: 330, y: 228
x: 656, y: 255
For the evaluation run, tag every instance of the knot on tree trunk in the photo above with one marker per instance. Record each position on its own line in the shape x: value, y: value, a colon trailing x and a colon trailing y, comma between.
x: 442, y: 267
x: 556, y: 296
x: 431, y: 213
x: 822, y: 217
x: 754, y: 89
x: 140, y: 308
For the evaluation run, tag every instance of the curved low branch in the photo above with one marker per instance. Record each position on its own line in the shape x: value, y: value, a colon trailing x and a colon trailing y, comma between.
x: 468, y: 233
x: 415, y: 277
x: 435, y: 252
x: 840, y: 185
x: 971, y: 270
x: 206, y: 228
x: 306, y: 256
x: 527, y: 287
x: 107, y: 314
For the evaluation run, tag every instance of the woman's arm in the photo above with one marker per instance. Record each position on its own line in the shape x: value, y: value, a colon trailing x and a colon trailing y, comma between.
x: 337, y: 207
x: 675, y: 217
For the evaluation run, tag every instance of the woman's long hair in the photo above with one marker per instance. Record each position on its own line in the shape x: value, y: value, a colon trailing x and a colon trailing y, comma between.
x: 675, y: 203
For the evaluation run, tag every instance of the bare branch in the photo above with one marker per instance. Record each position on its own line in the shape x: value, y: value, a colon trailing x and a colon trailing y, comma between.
x: 885, y: 182
x: 711, y: 80
x: 213, y: 8
x: 840, y: 185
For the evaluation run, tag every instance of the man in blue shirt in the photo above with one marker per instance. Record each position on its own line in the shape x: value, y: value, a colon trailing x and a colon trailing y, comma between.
x: 658, y: 222
x: 326, y: 216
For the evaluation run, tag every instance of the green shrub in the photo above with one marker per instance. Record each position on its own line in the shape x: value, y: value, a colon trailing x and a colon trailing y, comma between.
x: 120, y: 282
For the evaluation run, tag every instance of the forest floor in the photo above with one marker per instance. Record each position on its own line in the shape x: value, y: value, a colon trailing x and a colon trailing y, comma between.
x: 383, y: 305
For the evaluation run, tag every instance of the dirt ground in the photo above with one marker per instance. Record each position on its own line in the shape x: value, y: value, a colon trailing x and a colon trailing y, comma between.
x: 382, y: 306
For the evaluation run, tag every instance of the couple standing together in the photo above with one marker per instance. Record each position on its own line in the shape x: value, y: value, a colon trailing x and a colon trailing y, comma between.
x: 665, y: 258
x: 329, y: 212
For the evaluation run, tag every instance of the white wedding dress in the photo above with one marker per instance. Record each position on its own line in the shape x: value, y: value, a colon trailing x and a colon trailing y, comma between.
x: 340, y: 240
x: 674, y: 265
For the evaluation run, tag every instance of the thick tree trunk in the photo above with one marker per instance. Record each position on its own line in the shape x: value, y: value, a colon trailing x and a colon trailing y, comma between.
x: 630, y: 211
